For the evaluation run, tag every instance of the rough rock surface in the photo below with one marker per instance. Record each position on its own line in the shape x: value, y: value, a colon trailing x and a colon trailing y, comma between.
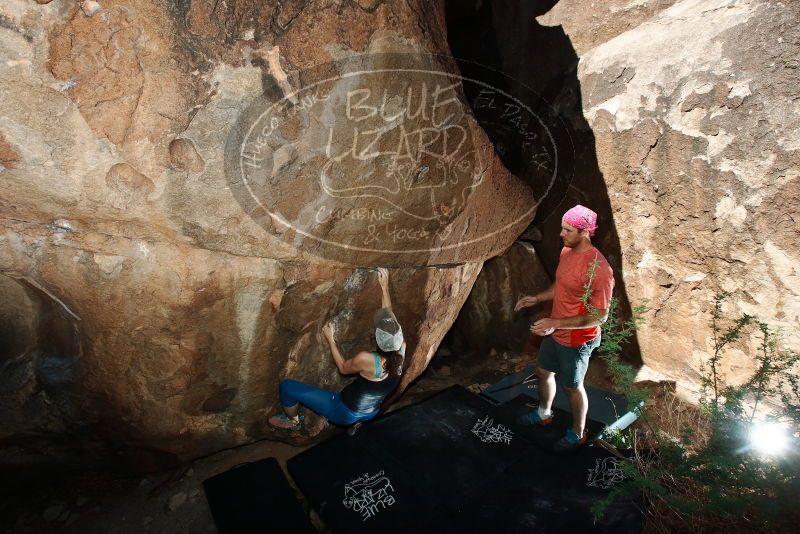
x: 701, y: 160
x: 685, y: 118
x: 171, y: 315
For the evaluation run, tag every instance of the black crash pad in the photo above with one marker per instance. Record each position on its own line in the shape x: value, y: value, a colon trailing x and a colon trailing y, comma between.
x: 548, y: 495
x: 255, y: 498
x: 406, y: 469
x: 449, y: 462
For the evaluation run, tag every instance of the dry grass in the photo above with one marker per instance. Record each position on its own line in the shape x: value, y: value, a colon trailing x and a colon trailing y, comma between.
x: 668, y: 418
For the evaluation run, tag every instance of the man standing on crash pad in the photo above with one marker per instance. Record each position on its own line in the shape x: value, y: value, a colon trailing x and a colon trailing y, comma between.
x: 572, y: 331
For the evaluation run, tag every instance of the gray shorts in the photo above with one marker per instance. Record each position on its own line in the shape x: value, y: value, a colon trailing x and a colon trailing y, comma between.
x: 569, y: 363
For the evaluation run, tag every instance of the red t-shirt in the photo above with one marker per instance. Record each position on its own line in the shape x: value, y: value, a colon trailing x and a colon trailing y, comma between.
x: 571, y: 277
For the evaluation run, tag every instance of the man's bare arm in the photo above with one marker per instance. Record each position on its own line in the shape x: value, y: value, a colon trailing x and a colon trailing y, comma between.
x: 533, y: 300
x: 585, y: 320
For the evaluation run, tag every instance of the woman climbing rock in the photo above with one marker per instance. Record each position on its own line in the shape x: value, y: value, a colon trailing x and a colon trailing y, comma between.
x: 378, y: 374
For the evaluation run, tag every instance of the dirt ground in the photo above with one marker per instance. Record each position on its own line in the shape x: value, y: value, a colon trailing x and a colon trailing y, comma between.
x: 174, y: 502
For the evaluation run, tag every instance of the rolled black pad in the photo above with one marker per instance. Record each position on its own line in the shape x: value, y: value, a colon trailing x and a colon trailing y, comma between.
x: 255, y: 498
x: 604, y: 406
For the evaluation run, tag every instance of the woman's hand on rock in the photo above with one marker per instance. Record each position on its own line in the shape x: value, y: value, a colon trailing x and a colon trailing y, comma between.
x: 383, y: 276
x: 327, y: 330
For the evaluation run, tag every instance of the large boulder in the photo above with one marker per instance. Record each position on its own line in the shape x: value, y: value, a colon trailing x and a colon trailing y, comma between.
x: 689, y: 112
x: 184, y: 290
x: 697, y: 141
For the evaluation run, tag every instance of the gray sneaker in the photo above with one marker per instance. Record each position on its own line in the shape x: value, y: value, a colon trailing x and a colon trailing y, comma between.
x: 281, y: 421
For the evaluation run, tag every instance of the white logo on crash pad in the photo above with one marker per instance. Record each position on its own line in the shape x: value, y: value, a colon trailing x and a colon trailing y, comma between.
x: 492, y: 434
x: 369, y: 494
x: 606, y: 474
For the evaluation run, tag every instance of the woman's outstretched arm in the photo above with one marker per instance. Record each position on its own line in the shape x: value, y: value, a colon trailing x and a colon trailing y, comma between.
x: 358, y: 363
x: 383, y: 280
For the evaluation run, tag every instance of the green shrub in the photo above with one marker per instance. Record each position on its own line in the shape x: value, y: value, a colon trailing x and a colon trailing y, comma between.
x: 709, y: 477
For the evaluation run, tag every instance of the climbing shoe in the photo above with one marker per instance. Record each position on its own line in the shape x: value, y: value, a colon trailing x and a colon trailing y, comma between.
x: 281, y: 421
x: 570, y: 442
x: 533, y: 418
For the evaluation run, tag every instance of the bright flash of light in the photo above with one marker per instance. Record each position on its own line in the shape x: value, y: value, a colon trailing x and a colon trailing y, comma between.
x: 769, y: 438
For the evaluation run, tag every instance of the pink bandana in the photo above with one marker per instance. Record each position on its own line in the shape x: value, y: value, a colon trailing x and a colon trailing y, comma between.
x: 581, y: 217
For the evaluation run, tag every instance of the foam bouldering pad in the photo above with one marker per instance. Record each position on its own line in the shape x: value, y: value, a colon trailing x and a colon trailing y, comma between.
x: 406, y: 470
x: 255, y: 498
x: 544, y: 494
x: 457, y: 462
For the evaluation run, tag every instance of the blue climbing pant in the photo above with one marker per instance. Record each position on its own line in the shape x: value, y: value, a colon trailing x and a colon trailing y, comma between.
x: 325, y: 403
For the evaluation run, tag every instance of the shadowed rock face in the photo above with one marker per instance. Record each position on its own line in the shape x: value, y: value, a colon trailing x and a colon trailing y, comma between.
x: 490, y: 306
x: 188, y: 304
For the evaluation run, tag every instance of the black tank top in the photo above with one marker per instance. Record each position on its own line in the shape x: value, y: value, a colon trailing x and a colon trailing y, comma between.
x: 365, y: 396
